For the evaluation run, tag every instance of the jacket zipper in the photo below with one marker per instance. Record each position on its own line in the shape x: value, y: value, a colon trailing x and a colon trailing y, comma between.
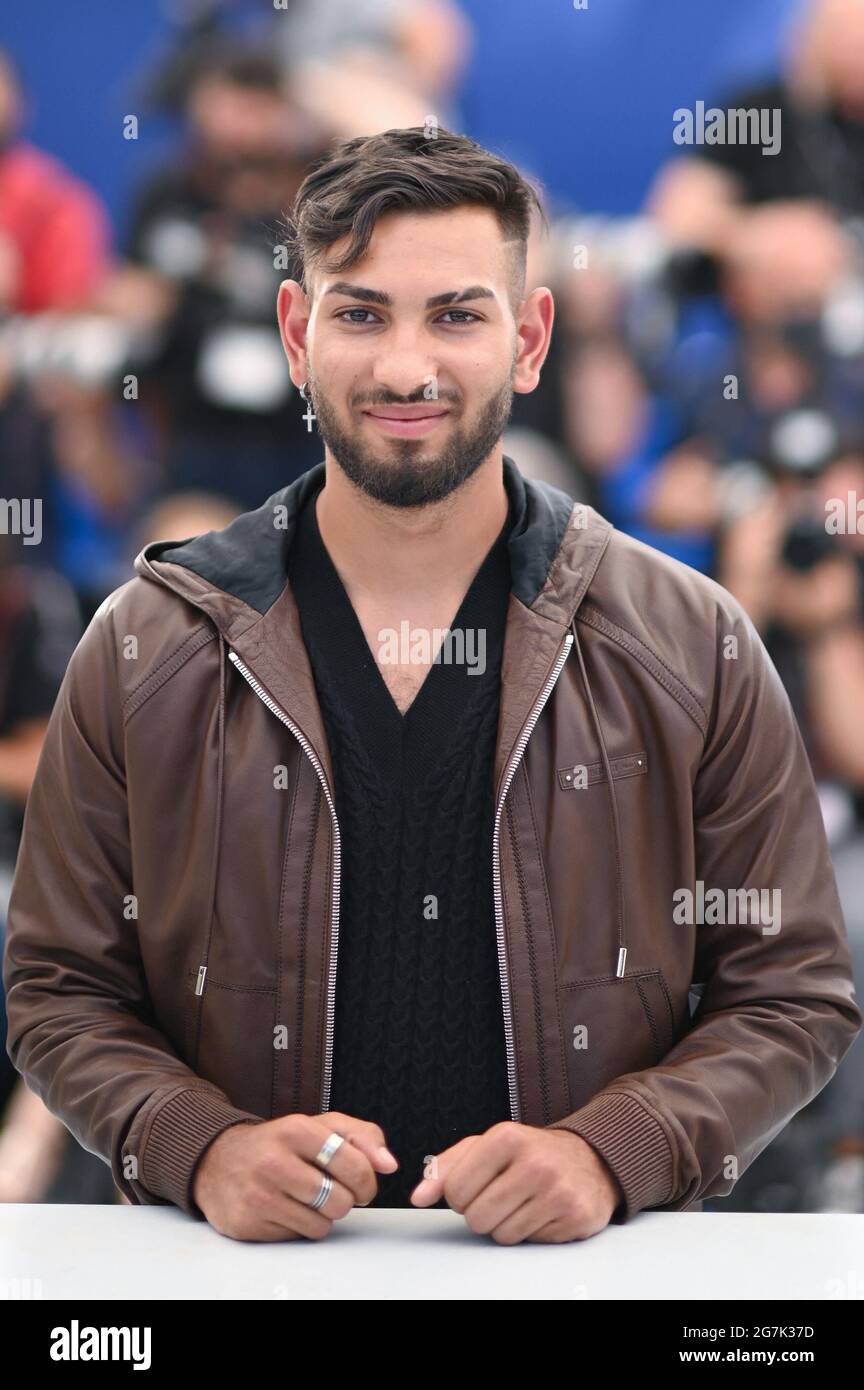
x: 337, y: 866
x: 496, y: 874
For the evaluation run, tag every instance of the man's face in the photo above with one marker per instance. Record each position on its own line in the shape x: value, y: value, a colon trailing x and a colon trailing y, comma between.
x: 412, y: 395
x: 842, y: 54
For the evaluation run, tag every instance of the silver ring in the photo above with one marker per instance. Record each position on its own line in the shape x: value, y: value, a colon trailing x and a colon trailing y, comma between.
x: 323, y: 1193
x: 328, y: 1149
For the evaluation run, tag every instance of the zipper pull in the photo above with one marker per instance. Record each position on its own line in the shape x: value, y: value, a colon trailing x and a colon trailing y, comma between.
x: 622, y: 956
x: 199, y: 983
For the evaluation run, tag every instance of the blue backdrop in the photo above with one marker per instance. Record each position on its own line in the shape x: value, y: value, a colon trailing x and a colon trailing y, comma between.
x: 584, y: 99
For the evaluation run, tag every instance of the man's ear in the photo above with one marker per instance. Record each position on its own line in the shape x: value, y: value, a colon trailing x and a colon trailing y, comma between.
x: 293, y: 311
x: 534, y: 327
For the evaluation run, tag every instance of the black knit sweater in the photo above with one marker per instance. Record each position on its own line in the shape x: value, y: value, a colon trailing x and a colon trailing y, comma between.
x: 419, y: 1030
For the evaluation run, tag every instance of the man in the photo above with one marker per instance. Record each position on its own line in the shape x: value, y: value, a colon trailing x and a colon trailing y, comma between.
x: 199, y: 245
x: 775, y: 204
x: 54, y: 230
x: 306, y: 919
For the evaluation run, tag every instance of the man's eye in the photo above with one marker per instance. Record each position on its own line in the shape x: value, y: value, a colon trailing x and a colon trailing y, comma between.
x: 343, y: 312
x: 462, y: 316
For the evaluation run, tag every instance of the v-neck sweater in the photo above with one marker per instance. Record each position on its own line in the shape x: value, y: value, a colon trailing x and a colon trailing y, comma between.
x: 418, y: 1043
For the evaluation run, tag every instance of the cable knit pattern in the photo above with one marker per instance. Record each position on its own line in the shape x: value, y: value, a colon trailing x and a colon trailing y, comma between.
x: 419, y: 1030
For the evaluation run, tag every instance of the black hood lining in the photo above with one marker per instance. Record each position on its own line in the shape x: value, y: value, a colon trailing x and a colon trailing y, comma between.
x: 248, y: 559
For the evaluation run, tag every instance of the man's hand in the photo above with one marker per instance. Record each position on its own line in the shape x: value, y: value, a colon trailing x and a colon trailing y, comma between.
x: 254, y: 1182
x: 516, y: 1182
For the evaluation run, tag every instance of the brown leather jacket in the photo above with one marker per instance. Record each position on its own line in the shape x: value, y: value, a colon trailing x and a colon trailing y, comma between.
x: 175, y: 913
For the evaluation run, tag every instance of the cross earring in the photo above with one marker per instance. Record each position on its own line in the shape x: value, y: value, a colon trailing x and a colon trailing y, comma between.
x: 309, y: 415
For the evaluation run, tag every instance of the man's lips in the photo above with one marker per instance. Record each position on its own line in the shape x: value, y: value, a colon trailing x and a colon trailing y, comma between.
x: 405, y: 419
x: 404, y: 412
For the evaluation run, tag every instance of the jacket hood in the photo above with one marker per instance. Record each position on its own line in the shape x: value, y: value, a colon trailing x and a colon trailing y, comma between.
x: 247, y: 560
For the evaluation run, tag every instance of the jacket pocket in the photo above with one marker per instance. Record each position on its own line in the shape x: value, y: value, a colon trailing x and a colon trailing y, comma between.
x: 236, y: 1042
x: 614, y: 1026
x: 577, y: 777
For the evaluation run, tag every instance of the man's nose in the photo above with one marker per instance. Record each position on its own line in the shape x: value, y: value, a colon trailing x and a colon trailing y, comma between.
x: 406, y: 365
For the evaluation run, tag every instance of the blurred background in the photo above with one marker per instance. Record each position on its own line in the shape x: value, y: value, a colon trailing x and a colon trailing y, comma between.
x: 704, y: 388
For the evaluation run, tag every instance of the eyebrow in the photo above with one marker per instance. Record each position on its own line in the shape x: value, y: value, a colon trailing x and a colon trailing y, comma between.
x: 437, y: 301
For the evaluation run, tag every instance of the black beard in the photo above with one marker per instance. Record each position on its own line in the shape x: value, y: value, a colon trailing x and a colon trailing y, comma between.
x: 405, y: 480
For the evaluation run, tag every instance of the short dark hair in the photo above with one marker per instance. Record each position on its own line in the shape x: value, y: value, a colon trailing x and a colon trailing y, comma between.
x: 347, y: 189
x: 251, y: 68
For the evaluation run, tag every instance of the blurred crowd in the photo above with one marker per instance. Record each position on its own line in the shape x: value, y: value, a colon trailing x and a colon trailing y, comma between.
x: 703, y: 391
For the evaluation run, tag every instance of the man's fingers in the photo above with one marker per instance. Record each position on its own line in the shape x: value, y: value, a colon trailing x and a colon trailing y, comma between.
x: 286, y: 1219
x: 525, y: 1223
x: 495, y: 1203
x: 364, y: 1135
x: 351, y: 1169
x: 431, y: 1189
x: 303, y: 1181
x: 491, y: 1156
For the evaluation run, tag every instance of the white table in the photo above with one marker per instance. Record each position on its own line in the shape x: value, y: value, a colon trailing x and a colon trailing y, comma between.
x: 130, y: 1252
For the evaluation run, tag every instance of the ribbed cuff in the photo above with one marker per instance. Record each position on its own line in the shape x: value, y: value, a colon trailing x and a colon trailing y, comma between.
x: 634, y: 1145
x: 175, y: 1139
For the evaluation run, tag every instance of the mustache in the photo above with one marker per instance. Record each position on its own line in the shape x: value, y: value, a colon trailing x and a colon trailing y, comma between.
x: 416, y: 398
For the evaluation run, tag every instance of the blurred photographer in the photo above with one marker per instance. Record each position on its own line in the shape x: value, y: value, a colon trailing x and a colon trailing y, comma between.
x: 204, y: 262
x: 704, y: 198
x: 801, y: 579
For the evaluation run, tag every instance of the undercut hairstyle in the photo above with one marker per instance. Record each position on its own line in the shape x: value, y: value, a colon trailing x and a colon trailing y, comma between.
x: 347, y: 189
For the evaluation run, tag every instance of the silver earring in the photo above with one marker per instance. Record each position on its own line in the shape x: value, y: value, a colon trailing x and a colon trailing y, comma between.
x: 309, y: 414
